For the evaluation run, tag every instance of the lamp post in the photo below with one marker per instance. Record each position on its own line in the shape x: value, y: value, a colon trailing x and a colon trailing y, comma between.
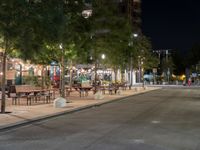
x: 103, y: 56
x: 134, y: 35
x: 95, y: 72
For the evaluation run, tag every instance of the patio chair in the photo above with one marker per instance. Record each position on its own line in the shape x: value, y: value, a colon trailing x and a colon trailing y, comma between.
x: 47, y: 96
x: 15, y: 98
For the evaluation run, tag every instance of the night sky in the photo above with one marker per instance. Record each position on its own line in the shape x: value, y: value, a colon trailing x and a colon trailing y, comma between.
x: 171, y: 24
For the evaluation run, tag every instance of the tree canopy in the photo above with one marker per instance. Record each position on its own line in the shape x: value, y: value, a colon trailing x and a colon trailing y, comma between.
x: 35, y: 30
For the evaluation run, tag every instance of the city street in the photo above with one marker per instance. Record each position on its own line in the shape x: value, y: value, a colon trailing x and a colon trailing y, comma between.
x: 166, y: 119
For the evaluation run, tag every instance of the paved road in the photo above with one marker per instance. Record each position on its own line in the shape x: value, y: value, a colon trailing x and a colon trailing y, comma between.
x: 167, y: 119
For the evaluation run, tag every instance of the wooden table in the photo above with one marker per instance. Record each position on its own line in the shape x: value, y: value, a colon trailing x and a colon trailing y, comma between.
x: 32, y: 94
x: 83, y: 91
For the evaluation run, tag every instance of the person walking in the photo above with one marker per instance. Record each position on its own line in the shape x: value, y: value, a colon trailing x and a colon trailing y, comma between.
x: 189, y: 82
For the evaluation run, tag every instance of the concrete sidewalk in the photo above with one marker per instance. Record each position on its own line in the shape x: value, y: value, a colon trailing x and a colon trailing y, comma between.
x: 22, y: 114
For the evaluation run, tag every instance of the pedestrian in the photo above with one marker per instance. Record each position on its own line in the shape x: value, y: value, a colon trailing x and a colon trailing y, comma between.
x: 189, y: 81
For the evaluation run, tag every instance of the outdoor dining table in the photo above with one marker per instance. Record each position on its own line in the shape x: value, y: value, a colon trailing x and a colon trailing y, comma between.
x: 31, y: 94
x: 83, y: 91
x: 110, y: 89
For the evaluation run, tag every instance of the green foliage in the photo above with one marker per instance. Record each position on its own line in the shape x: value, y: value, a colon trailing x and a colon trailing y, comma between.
x: 144, y: 50
x: 31, y: 80
x: 109, y: 31
x: 41, y: 23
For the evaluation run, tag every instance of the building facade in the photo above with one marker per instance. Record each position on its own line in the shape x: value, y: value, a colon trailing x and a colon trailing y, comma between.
x: 133, y: 9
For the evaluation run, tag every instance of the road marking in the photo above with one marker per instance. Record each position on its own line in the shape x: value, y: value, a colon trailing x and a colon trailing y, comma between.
x: 155, y: 122
x: 138, y: 141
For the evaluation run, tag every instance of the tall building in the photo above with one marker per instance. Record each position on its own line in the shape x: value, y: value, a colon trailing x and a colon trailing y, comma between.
x: 133, y: 9
x: 137, y: 14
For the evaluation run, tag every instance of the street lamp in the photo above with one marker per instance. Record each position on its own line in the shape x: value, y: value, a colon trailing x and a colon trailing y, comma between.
x: 96, y: 65
x: 133, y: 35
x: 87, y: 13
x: 103, y: 56
x: 61, y: 46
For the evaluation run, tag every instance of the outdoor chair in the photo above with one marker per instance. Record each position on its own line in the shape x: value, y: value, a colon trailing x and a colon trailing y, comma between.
x: 15, y: 98
x: 47, y: 96
x: 29, y: 98
x: 37, y: 97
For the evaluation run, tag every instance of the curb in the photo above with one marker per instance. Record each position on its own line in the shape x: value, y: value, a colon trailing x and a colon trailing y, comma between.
x: 46, y: 117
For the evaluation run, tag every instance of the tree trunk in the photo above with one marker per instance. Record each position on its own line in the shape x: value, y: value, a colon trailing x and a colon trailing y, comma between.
x: 95, y: 77
x: 122, y: 76
x: 62, y: 77
x: 70, y: 75
x: 131, y: 71
x: 43, y: 77
x: 3, y: 101
x: 95, y: 70
x: 115, y: 72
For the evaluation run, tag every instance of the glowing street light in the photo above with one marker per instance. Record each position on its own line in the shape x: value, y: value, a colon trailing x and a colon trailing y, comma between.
x: 103, y: 56
x: 60, y: 46
x: 135, y: 35
x: 87, y: 13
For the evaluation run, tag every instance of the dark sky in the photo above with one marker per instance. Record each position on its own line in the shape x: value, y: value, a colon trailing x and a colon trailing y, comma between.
x: 171, y: 24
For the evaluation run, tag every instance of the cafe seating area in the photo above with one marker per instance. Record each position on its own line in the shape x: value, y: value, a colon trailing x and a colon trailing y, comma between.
x: 31, y: 94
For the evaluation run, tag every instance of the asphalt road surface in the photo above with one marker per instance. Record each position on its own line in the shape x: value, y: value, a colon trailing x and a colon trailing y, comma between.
x: 167, y: 119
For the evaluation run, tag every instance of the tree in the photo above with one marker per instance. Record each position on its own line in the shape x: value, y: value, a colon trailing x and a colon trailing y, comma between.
x: 29, y: 26
x: 10, y: 11
x: 58, y: 25
x: 110, y: 33
x: 144, y: 50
